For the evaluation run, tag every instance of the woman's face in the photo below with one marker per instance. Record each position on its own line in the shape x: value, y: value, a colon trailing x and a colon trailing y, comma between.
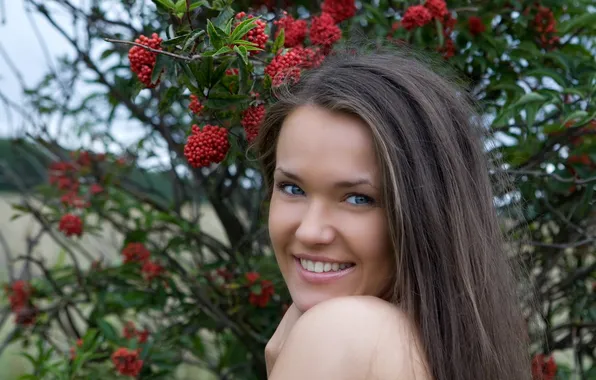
x: 326, y: 223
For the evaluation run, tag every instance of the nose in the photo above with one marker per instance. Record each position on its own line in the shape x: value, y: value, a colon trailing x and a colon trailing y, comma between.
x: 315, y: 227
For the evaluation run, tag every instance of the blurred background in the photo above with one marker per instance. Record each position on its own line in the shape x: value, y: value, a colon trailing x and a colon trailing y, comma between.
x: 127, y: 250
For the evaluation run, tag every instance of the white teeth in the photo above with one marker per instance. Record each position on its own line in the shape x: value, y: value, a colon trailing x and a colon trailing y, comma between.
x: 320, y: 267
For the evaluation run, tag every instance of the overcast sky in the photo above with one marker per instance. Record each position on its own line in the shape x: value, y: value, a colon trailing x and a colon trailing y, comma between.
x: 18, y: 41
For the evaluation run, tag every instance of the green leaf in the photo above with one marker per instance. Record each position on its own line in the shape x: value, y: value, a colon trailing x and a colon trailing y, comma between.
x: 181, y: 6
x: 530, y: 98
x: 279, y: 41
x: 168, y: 4
x: 223, y: 100
x: 242, y: 52
x: 176, y: 40
x: 588, y: 19
x: 439, y: 27
x: 531, y: 111
x: 223, y: 50
x: 228, y: 27
x: 579, y: 115
x: 192, y: 38
x: 106, y: 53
x: 543, y: 72
x: 214, y: 37
x: 202, y: 71
x: 160, y: 63
x: 108, y: 331
x: 15, y: 216
x: 243, y: 28
x: 224, y: 16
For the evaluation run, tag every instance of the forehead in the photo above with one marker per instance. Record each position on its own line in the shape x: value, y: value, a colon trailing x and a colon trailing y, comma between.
x: 328, y: 143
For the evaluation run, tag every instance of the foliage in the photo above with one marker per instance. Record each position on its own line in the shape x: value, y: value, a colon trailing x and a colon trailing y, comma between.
x: 212, y: 301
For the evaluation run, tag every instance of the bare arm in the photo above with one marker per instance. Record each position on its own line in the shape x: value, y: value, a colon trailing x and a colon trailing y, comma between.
x: 351, y: 338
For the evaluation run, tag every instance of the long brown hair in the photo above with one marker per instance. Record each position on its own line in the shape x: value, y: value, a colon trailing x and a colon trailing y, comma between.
x: 452, y: 275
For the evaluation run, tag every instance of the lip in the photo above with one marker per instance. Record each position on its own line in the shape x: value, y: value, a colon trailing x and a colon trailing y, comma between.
x: 320, y: 278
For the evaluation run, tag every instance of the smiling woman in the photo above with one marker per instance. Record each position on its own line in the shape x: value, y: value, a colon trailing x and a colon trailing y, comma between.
x: 382, y: 222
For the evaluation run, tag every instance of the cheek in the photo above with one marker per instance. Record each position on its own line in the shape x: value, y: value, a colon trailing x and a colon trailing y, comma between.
x: 370, y: 242
x: 280, y: 223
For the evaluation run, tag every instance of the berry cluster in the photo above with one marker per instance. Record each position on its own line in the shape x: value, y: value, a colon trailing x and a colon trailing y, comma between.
x: 340, y: 10
x: 206, y: 146
x: 251, y: 121
x: 73, y: 350
x: 285, y: 67
x: 151, y: 270
x: 543, y: 369
x: 475, y: 26
x: 294, y: 30
x: 545, y: 25
x: 142, y: 61
x: 416, y: 16
x: 323, y: 30
x: 138, y: 253
x: 135, y: 252
x: 195, y: 106
x: 130, y: 332
x: 437, y: 8
x: 256, y: 35
x: 127, y: 362
x: 260, y: 293
x: 19, y: 296
x: 71, y: 225
x: 311, y: 57
x: 66, y: 178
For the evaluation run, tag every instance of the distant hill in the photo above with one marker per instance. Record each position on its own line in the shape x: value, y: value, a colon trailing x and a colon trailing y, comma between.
x: 28, y: 161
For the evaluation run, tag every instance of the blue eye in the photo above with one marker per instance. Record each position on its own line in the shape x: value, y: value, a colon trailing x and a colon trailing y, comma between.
x: 359, y: 199
x: 291, y: 189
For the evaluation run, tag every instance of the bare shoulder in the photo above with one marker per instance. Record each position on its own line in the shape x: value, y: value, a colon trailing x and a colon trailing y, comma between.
x: 349, y: 338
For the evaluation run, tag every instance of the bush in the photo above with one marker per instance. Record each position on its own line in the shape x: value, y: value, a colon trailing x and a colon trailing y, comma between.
x: 195, y: 78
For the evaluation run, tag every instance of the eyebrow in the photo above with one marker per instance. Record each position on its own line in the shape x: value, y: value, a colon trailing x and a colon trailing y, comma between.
x: 339, y: 184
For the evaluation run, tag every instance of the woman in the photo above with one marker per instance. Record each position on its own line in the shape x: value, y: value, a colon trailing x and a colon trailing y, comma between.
x: 382, y: 222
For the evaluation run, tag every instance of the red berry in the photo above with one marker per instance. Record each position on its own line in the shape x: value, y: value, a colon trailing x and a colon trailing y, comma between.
x: 476, y: 26
x: 285, y: 67
x: 195, y: 106
x: 437, y: 8
x: 262, y: 299
x: 251, y: 277
x: 294, y: 31
x: 135, y: 252
x: 311, y: 57
x: 416, y: 16
x: 542, y: 370
x: 251, y: 121
x: 323, y: 30
x: 257, y: 34
x: 206, y: 146
x: 142, y: 61
x: 340, y: 10
x: 71, y: 225
x: 151, y: 270
x: 127, y: 362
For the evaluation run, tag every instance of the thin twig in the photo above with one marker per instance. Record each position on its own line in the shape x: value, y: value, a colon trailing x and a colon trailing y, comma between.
x: 192, y: 58
x: 6, y: 248
x: 537, y: 173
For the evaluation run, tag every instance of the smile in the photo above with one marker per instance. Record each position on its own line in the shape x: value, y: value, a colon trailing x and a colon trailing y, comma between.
x: 318, y: 272
x: 321, y: 267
